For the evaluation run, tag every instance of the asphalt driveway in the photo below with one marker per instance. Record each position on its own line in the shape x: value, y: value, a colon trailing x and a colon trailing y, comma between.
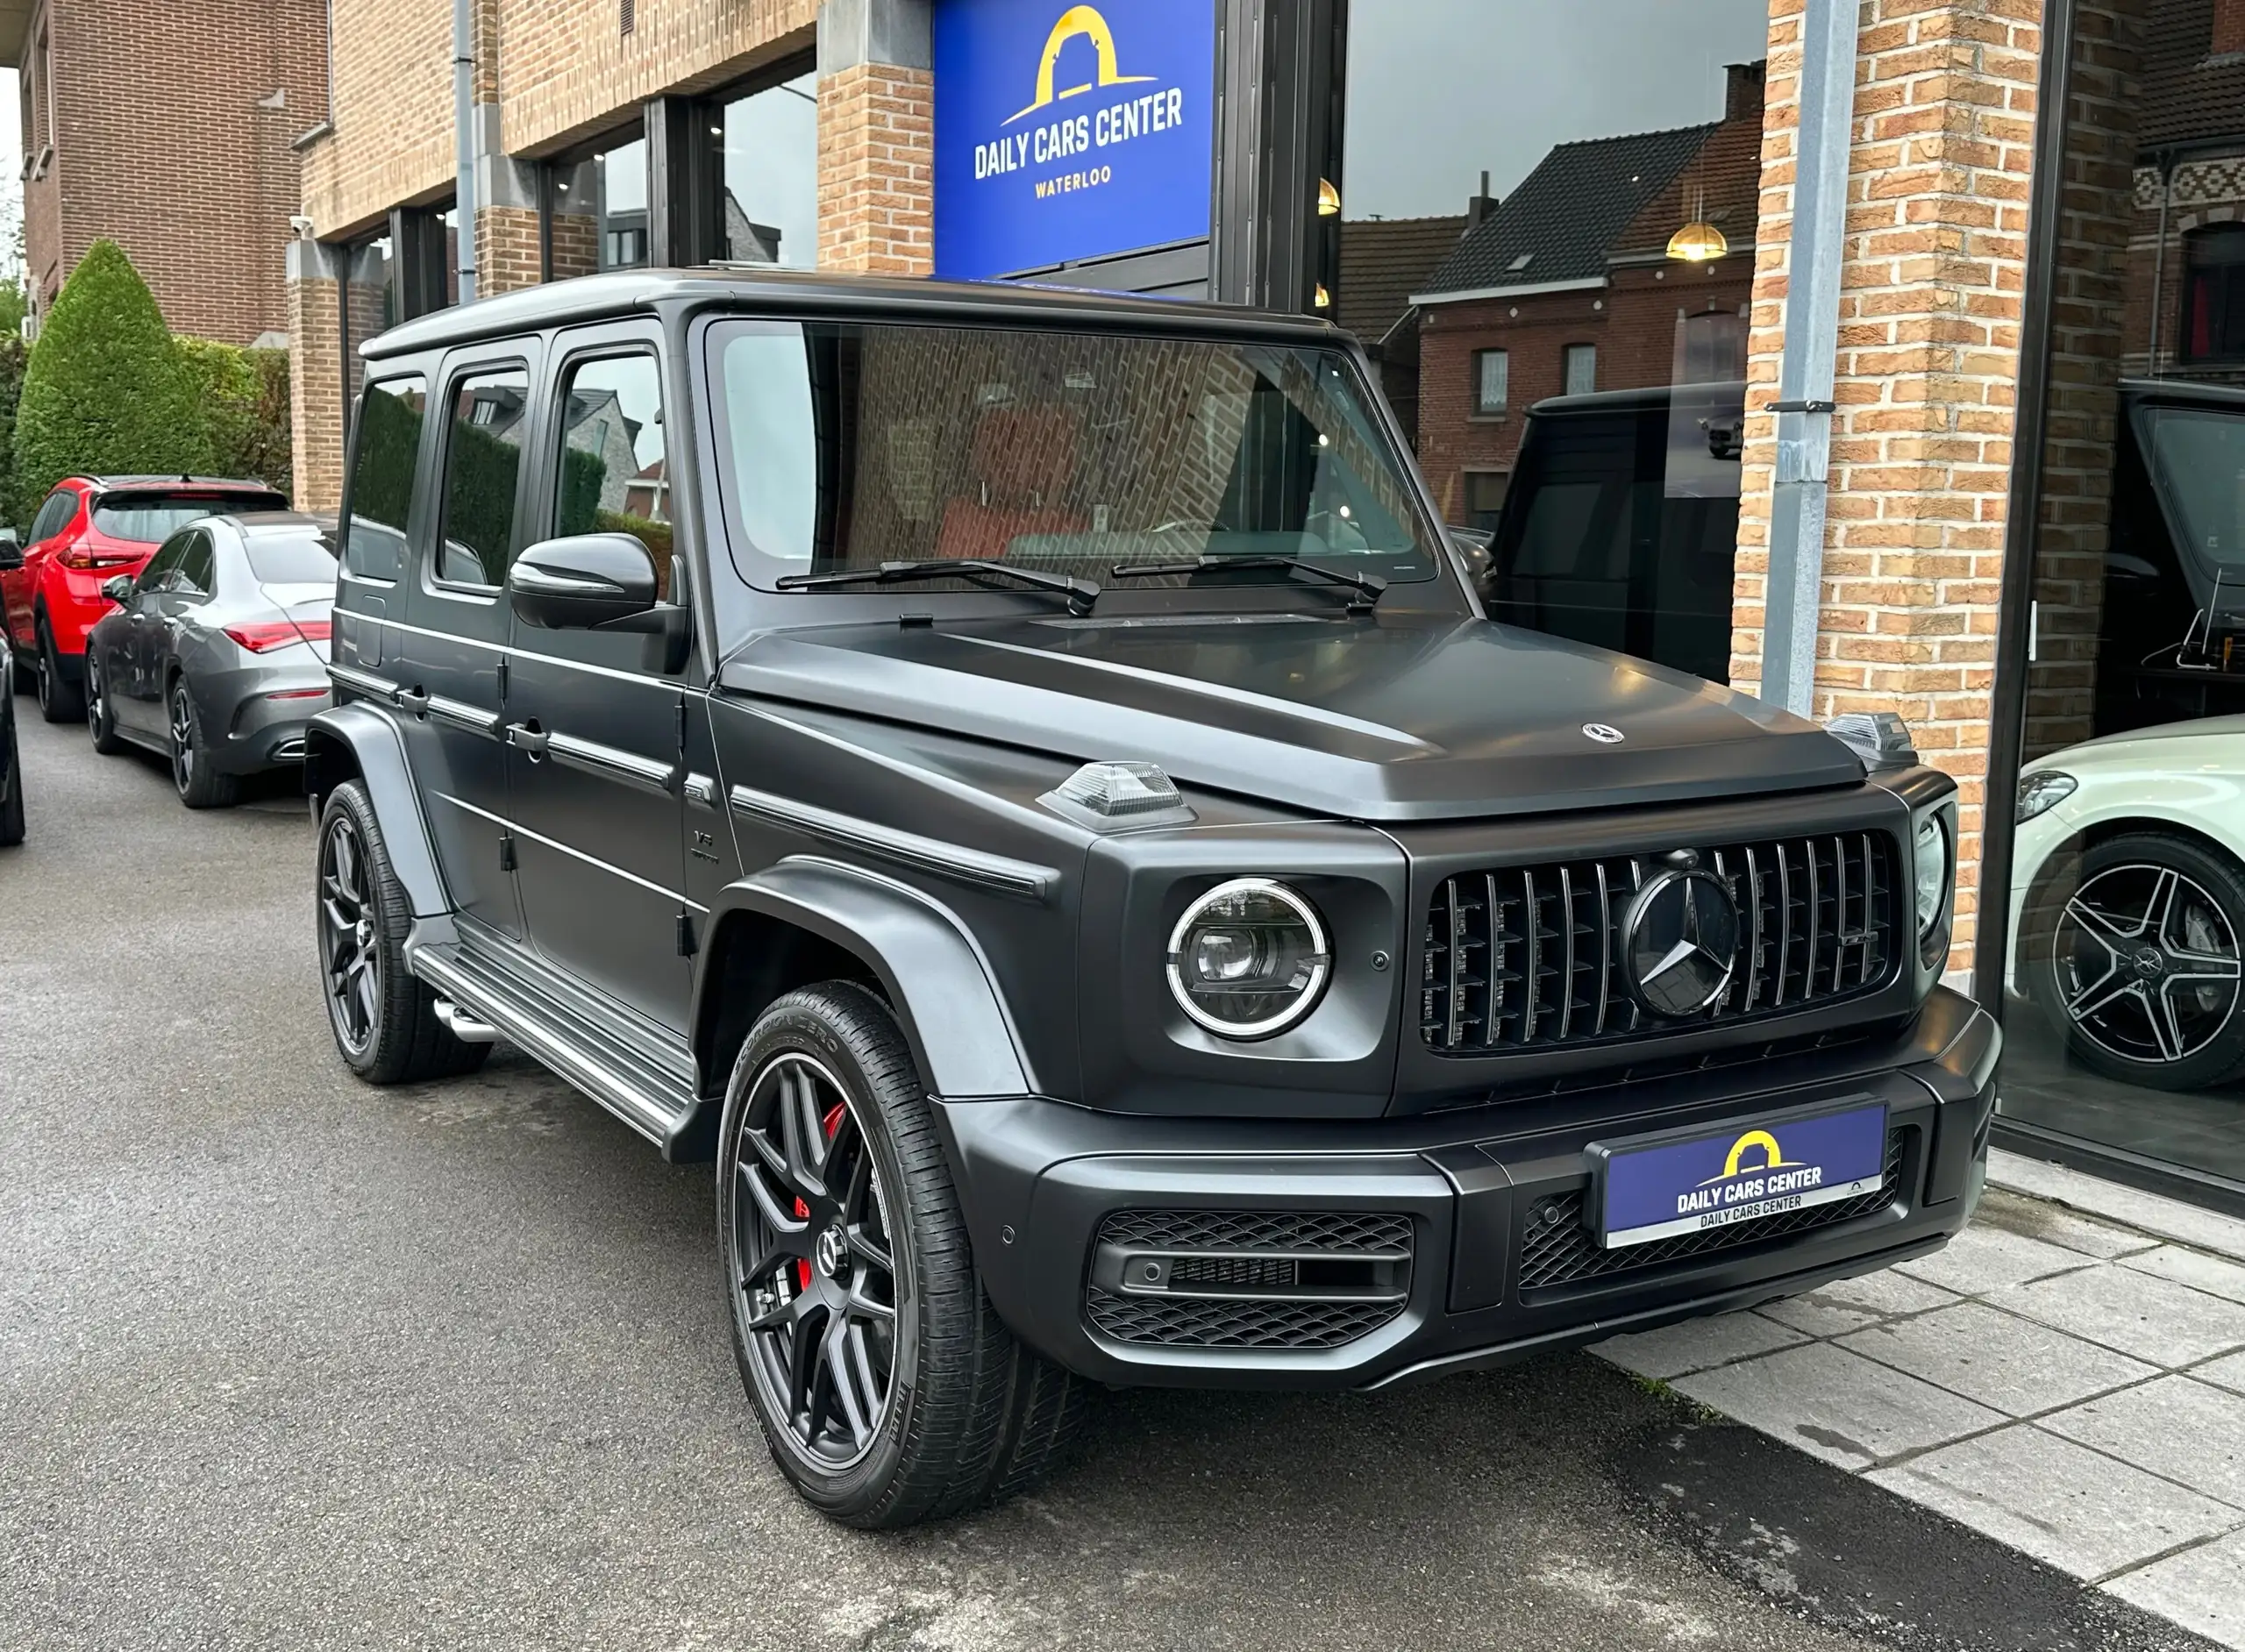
x: 288, y: 1361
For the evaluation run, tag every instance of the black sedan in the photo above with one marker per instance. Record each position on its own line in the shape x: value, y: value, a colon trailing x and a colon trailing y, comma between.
x: 216, y: 655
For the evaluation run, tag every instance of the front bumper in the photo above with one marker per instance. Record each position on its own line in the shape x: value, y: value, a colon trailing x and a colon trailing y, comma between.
x: 1496, y: 1265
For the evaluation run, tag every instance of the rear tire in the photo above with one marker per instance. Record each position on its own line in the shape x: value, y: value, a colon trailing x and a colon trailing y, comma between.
x: 101, y: 715
x: 384, y: 1019
x: 11, y: 807
x: 199, y: 784
x: 60, y: 700
x: 863, y: 1255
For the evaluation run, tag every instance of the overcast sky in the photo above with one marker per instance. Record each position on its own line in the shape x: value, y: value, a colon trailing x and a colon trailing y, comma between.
x: 1439, y: 89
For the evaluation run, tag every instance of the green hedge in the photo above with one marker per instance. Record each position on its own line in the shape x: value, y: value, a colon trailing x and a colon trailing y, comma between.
x: 244, y: 394
x: 105, y: 389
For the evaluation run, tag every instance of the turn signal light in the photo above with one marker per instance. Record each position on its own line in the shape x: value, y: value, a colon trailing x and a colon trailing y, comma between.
x: 76, y: 556
x: 263, y: 637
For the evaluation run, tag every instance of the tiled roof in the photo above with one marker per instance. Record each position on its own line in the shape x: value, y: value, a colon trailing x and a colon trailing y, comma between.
x: 1566, y: 215
x: 1383, y: 262
x: 2188, y: 95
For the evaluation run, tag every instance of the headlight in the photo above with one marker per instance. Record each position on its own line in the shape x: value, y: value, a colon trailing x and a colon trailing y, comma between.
x: 2040, y: 793
x: 1932, y: 873
x: 1248, y: 958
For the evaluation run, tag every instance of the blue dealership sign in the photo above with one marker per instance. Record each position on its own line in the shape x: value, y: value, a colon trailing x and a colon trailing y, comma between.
x: 1066, y: 131
x: 1665, y: 1187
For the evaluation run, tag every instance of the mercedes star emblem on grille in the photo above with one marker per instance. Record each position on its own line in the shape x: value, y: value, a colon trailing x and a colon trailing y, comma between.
x: 1680, y: 944
x: 1604, y: 733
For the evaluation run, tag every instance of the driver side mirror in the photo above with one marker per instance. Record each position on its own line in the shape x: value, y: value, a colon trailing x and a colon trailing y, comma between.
x: 119, y: 589
x: 582, y: 582
x: 12, y: 551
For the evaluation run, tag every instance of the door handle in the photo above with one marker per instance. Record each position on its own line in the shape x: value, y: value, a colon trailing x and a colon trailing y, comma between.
x: 528, y: 739
x: 415, y: 700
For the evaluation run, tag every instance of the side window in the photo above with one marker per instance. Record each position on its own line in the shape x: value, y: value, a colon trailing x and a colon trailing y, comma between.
x: 161, y: 567
x: 612, y: 475
x: 196, y: 576
x: 483, y: 462
x: 58, y: 509
x: 390, y: 416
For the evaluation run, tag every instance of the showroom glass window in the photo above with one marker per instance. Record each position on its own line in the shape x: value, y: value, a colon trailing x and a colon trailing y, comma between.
x: 2119, y: 959
x: 595, y: 215
x: 1542, y: 201
x: 766, y: 142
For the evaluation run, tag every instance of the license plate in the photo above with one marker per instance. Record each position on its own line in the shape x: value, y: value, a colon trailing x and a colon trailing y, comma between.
x: 1659, y: 1187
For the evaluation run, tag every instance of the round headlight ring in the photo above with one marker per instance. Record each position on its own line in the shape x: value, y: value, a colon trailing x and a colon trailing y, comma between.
x: 1317, y: 955
x: 1933, y: 862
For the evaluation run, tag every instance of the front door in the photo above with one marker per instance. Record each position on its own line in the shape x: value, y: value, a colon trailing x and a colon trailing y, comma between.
x: 596, y: 720
x: 448, y: 659
x: 128, y: 669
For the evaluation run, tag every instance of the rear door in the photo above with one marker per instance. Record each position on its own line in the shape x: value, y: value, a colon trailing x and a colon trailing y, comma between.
x: 596, y: 777
x: 448, y: 658
x: 16, y: 588
x: 133, y: 690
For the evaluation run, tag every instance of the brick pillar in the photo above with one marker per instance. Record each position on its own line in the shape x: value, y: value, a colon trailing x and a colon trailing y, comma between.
x: 506, y: 250
x: 316, y: 373
x: 1933, y: 269
x: 876, y: 137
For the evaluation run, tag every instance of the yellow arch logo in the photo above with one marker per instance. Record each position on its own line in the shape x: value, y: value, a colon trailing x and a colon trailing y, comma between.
x: 1078, y: 22
x: 1773, y: 1157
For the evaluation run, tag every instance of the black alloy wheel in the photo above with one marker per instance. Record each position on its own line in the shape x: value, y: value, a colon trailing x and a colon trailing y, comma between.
x: 889, y: 1389
x: 813, y: 1262
x: 199, y: 784
x: 101, y: 715
x: 351, y: 959
x: 2143, y: 969
x: 59, y: 699
x: 383, y: 1017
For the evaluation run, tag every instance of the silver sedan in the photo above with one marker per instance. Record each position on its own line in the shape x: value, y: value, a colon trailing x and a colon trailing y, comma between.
x: 216, y: 654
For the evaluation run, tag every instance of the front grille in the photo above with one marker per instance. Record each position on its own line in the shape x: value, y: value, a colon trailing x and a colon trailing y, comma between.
x: 1530, y: 958
x: 1557, y: 1247
x: 1253, y: 1279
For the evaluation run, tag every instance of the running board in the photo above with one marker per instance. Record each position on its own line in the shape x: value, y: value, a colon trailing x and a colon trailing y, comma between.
x: 649, y: 1100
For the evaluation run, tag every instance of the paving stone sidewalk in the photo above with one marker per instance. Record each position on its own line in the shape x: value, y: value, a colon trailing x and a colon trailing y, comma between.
x: 2067, y: 1377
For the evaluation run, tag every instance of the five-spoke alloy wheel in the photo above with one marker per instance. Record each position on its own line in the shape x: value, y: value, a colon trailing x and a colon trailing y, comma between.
x: 889, y: 1389
x: 2141, y: 965
x: 350, y: 960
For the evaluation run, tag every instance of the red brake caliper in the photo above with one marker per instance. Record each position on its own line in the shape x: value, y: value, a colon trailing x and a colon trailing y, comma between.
x: 831, y: 1122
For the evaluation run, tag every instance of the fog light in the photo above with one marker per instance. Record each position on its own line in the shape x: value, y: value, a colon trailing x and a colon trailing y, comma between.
x: 1248, y: 959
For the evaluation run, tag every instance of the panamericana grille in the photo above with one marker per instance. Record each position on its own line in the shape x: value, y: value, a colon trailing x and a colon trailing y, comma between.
x: 1557, y: 1246
x: 1527, y: 958
x: 1266, y: 1252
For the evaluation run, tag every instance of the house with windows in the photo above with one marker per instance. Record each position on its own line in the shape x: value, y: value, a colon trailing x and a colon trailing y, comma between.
x: 1618, y: 263
x: 137, y: 131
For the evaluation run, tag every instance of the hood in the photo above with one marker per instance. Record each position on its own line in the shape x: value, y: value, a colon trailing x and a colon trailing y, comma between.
x: 1410, y: 717
x: 2226, y: 732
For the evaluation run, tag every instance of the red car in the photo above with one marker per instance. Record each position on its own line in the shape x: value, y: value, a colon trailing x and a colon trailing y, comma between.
x: 90, y: 530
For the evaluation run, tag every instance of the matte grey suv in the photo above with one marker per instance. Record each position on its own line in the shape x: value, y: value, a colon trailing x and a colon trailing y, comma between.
x: 1021, y: 779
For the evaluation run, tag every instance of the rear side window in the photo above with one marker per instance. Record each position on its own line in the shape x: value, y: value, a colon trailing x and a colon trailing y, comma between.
x: 151, y: 518
x: 290, y: 559
x: 383, y: 469
x: 57, y: 511
x: 483, y: 462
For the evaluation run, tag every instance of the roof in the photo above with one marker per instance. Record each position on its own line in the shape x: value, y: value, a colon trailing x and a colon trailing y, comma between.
x: 781, y: 292
x: 1567, y: 214
x: 2188, y: 96
x: 1383, y: 262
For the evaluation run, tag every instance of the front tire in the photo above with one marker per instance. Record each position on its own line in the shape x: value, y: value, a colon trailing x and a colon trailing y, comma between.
x: 101, y: 715
x: 197, y: 780
x: 2141, y: 965
x: 58, y: 698
x: 383, y: 1017
x: 11, y: 807
x: 888, y: 1389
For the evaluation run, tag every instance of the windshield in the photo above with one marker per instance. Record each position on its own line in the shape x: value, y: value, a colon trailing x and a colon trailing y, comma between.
x: 846, y: 445
x: 153, y: 518
x: 290, y: 558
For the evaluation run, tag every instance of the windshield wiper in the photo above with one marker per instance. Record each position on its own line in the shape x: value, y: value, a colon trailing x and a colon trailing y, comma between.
x: 1369, y: 588
x: 1081, y: 593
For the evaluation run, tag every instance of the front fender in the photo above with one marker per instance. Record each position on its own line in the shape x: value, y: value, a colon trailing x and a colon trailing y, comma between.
x: 934, y: 977
x: 357, y: 741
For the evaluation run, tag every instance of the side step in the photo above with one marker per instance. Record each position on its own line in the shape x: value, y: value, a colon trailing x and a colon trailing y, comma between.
x: 479, y: 1001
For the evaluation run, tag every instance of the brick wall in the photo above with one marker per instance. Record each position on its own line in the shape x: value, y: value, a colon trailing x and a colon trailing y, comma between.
x: 876, y: 170
x: 177, y: 151
x: 507, y: 254
x: 316, y: 394
x: 1935, y: 267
